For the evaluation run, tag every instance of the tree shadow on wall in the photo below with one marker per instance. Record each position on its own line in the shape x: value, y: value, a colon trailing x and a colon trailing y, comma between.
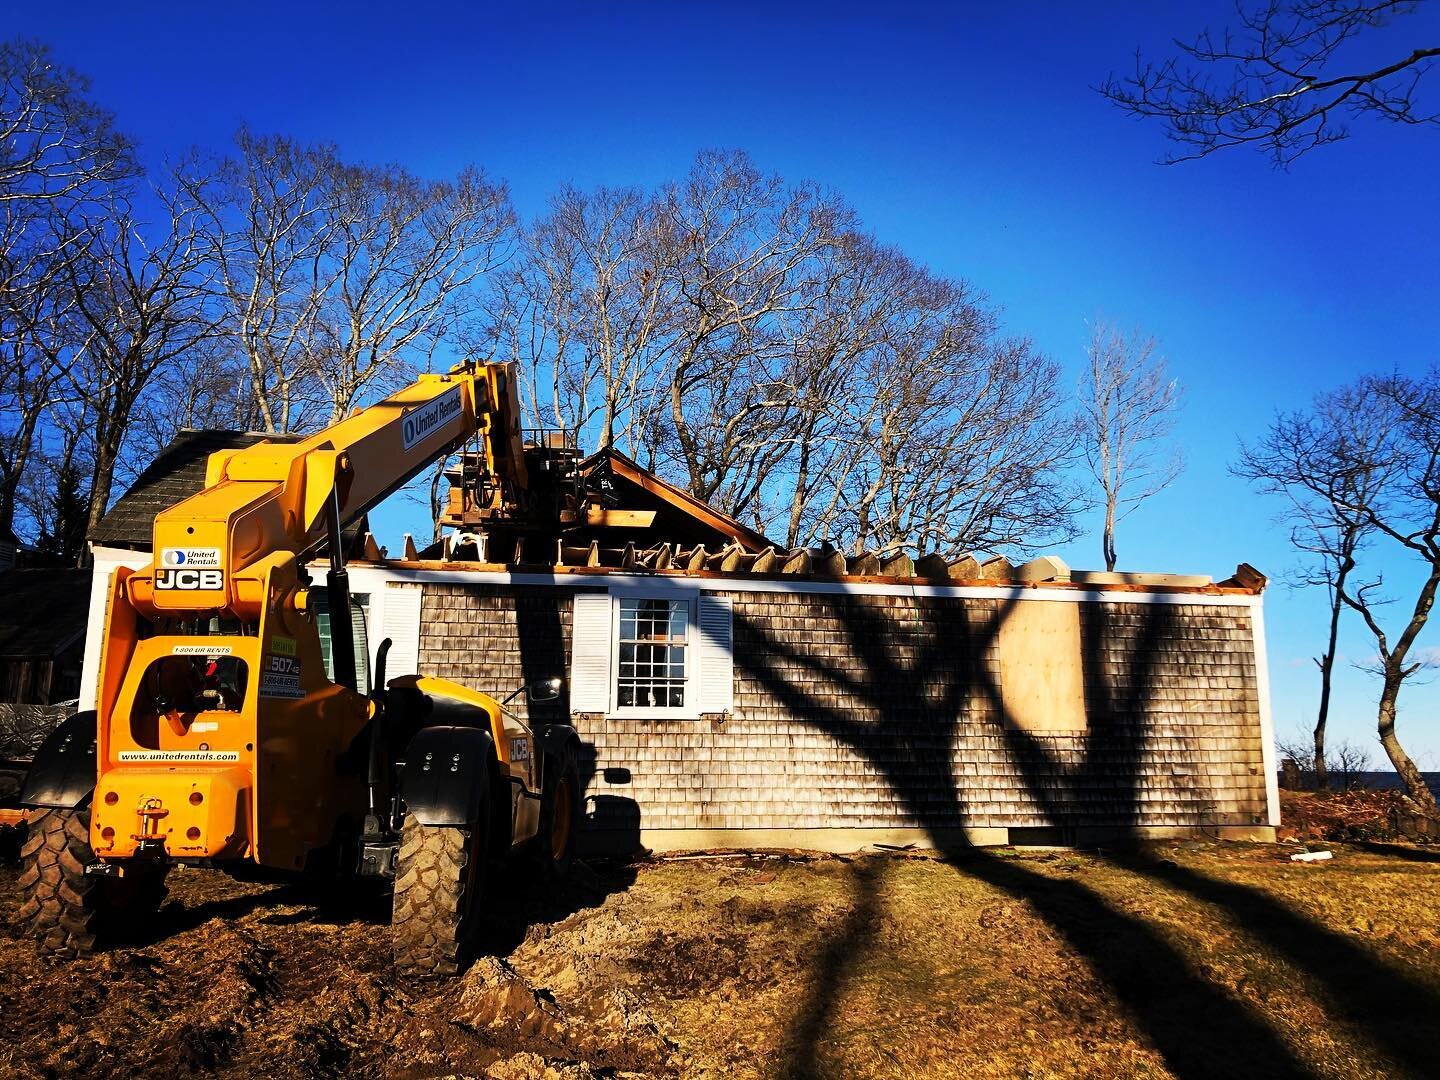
x: 912, y: 691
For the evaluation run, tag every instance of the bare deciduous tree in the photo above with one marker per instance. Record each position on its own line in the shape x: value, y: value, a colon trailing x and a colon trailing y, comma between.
x: 332, y: 273
x: 34, y: 333
x: 56, y: 145
x: 744, y: 254
x: 58, y: 150
x: 741, y: 335
x: 1367, y: 459
x: 405, y: 253
x: 140, y: 293
x: 1286, y: 82
x: 584, y: 309
x: 1287, y: 461
x: 1127, y: 405
x: 267, y: 216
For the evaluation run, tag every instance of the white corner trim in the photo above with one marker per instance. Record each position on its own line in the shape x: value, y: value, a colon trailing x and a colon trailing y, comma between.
x: 1267, y: 719
x: 104, y: 561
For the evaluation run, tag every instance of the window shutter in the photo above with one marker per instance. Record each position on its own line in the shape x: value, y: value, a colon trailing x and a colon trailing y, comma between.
x: 401, y: 624
x: 717, y: 663
x: 590, y: 635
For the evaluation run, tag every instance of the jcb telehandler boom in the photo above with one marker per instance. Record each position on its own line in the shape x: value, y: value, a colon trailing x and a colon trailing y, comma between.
x: 231, y: 728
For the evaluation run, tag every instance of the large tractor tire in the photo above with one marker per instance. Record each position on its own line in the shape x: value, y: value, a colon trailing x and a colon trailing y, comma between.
x: 66, y: 911
x: 439, y: 880
x: 562, y: 807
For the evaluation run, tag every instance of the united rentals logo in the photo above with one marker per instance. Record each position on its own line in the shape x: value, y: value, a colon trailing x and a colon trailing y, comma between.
x: 423, y: 422
x: 207, y: 558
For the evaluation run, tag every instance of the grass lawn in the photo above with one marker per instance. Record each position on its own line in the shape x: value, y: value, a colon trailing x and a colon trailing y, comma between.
x: 1191, y: 961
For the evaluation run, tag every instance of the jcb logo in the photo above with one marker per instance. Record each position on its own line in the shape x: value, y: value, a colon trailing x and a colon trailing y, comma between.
x: 190, y: 579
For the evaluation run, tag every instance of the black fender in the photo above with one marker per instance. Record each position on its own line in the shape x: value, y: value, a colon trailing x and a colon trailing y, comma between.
x: 551, y: 741
x: 447, y: 774
x: 554, y: 738
x: 62, y: 774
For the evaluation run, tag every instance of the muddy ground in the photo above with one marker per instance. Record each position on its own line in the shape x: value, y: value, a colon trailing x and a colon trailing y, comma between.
x: 1191, y: 961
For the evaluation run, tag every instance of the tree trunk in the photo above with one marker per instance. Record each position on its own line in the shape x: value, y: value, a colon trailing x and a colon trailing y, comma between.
x: 1327, y: 668
x: 1109, y: 539
x: 1420, y: 795
x: 109, y: 436
x: 22, y: 443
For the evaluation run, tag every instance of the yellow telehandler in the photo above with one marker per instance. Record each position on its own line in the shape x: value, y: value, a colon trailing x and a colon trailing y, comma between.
x: 230, y: 726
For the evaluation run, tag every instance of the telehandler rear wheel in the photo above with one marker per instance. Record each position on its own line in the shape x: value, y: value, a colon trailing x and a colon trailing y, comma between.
x: 64, y: 910
x: 439, y: 879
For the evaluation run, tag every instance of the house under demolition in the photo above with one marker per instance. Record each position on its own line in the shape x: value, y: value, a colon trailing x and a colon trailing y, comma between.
x: 732, y: 694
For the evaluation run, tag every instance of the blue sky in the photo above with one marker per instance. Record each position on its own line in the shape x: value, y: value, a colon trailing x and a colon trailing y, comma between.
x: 968, y: 136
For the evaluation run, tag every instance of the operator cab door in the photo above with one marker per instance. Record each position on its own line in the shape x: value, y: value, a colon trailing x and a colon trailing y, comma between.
x: 320, y: 605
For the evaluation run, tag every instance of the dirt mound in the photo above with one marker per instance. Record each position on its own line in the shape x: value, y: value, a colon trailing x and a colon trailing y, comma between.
x: 251, y: 979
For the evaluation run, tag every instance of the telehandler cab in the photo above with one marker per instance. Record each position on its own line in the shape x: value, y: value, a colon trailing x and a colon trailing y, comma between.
x: 231, y: 726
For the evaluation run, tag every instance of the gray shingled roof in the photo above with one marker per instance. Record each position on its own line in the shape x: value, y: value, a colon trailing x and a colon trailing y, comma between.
x: 42, y: 610
x: 176, y: 474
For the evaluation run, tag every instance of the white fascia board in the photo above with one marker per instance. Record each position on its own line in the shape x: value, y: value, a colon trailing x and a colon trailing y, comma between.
x: 659, y: 584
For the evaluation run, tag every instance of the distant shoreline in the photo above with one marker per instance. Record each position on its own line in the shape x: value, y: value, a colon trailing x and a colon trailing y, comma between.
x: 1380, y: 781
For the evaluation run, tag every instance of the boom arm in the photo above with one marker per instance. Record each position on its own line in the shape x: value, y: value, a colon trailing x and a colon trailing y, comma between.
x: 275, y: 498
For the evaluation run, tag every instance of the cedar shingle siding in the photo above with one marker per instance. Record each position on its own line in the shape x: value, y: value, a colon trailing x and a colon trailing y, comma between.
x: 887, y: 712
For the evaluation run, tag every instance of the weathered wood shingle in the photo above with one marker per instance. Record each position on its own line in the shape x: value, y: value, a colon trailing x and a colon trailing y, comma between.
x: 887, y: 712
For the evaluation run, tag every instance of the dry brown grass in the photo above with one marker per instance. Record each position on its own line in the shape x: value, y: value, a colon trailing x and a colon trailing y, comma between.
x: 1191, y: 961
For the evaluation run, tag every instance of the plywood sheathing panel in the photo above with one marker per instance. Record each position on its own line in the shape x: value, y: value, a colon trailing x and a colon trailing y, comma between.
x: 1042, y: 684
x: 748, y: 539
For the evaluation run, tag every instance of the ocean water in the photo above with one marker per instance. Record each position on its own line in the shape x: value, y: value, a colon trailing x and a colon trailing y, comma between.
x: 1382, y: 781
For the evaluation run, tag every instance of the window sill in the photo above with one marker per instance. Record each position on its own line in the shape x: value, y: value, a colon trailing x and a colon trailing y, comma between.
x: 653, y: 714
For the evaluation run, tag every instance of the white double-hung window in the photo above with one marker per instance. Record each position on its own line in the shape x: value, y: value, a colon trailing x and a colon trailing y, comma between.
x: 654, y: 646
x: 658, y: 654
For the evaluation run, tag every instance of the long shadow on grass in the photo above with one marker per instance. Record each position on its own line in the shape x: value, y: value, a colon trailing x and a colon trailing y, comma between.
x: 913, y: 691
x: 830, y: 974
x: 1359, y: 989
x: 1398, y: 851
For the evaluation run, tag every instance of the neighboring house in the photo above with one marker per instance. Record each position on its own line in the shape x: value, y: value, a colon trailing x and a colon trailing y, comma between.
x: 42, y: 634
x: 9, y: 549
x: 731, y: 694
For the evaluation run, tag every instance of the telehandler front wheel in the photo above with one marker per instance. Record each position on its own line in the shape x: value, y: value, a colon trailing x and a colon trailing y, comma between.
x: 562, y: 807
x: 439, y: 879
x: 66, y: 911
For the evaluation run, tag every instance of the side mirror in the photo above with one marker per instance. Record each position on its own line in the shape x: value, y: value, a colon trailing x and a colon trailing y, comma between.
x: 545, y: 689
